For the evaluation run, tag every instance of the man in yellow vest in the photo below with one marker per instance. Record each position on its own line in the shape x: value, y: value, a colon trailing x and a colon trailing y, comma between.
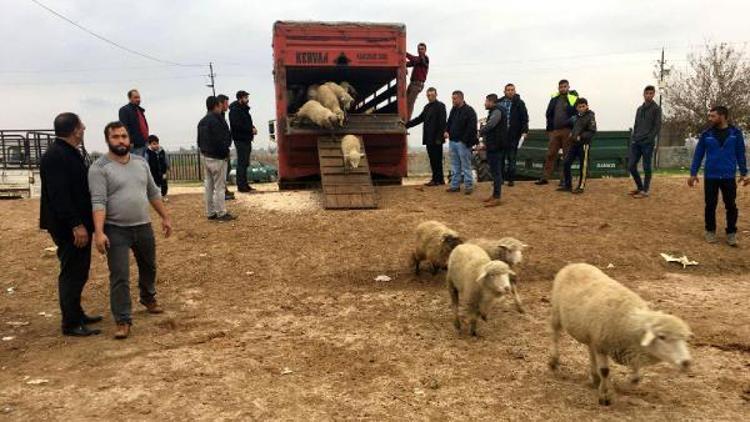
x: 560, y: 111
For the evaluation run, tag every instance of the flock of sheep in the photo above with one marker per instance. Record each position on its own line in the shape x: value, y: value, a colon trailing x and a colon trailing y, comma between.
x: 594, y: 309
x: 326, y: 107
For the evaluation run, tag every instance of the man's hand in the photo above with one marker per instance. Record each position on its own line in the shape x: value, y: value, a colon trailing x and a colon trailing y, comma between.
x: 102, y: 242
x: 446, y: 135
x: 164, y: 176
x: 692, y: 181
x: 744, y: 180
x: 166, y: 226
x: 80, y: 236
x: 255, y: 131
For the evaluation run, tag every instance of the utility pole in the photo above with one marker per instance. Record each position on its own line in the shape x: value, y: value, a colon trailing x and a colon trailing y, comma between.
x: 212, y: 75
x: 662, y: 72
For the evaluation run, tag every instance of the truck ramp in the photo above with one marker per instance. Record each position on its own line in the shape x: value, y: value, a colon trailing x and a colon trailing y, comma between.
x: 344, y: 188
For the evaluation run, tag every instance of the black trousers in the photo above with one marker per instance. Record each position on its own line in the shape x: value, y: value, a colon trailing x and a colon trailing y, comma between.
x: 580, y: 152
x: 243, y: 161
x: 509, y: 163
x: 74, y: 273
x: 164, y: 187
x: 495, y: 160
x: 728, y: 188
x: 435, y: 154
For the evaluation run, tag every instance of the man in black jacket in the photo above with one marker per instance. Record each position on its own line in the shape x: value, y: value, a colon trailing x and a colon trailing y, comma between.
x: 516, y: 127
x: 214, y: 140
x: 461, y: 131
x: 65, y: 212
x: 243, y: 132
x: 496, y: 143
x: 433, y: 118
x: 645, y: 130
x: 584, y: 129
x: 134, y: 118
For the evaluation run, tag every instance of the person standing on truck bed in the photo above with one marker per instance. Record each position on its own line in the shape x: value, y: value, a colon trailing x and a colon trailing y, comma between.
x: 65, y: 212
x: 214, y: 140
x: 433, y: 120
x: 723, y: 146
x: 224, y: 101
x: 461, y: 131
x: 517, y: 127
x: 495, y: 135
x: 243, y: 132
x: 645, y: 130
x: 132, y: 115
x: 421, y: 65
x: 560, y: 110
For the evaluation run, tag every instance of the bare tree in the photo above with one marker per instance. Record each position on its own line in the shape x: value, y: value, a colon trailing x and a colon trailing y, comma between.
x: 719, y: 75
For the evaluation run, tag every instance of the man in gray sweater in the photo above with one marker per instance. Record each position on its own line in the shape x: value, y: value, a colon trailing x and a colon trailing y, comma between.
x: 646, y: 129
x: 121, y: 188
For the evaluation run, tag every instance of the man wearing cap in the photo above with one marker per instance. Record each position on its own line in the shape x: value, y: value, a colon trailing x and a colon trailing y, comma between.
x: 243, y: 132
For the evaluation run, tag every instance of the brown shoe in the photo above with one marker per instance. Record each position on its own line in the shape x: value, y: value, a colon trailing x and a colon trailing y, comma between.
x: 153, y: 308
x: 494, y: 203
x: 123, y: 331
x: 490, y: 199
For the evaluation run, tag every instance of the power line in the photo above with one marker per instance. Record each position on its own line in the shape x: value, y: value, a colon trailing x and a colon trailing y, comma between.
x: 108, y: 41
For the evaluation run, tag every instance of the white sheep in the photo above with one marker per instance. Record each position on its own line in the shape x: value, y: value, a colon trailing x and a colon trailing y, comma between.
x: 351, y: 151
x: 345, y: 100
x: 329, y: 100
x: 508, y: 250
x: 613, y: 322
x: 480, y: 281
x: 435, y: 242
x: 312, y: 92
x: 316, y: 113
x: 349, y: 88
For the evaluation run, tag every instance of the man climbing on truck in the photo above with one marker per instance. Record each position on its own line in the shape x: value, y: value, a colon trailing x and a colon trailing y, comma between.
x: 421, y: 65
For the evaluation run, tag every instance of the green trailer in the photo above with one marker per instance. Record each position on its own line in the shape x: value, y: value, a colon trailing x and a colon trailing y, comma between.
x: 608, y: 156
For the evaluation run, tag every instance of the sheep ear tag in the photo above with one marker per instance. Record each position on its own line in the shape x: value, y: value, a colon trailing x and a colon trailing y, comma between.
x: 648, y: 338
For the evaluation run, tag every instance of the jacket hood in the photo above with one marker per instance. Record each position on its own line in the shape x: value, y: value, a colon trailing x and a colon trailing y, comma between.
x: 237, y: 104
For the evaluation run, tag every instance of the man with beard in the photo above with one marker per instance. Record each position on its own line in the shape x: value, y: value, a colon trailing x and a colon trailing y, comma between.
x: 433, y: 117
x: 65, y: 212
x: 121, y: 188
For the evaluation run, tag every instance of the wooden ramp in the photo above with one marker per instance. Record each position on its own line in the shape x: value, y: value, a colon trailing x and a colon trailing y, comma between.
x: 344, y: 189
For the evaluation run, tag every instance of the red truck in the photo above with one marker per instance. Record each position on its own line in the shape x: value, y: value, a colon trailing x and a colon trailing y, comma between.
x: 371, y: 58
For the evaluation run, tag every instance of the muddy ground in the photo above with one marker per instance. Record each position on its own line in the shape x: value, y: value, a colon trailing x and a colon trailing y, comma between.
x: 277, y: 316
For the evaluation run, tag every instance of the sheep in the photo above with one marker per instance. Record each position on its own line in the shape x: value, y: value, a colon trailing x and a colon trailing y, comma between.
x: 316, y: 113
x: 508, y: 250
x: 329, y: 100
x: 349, y: 88
x: 345, y: 100
x: 350, y: 149
x: 472, y: 275
x: 613, y: 322
x: 312, y: 92
x: 435, y: 242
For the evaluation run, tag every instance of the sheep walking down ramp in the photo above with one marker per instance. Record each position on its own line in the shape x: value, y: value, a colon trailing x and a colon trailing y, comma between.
x: 344, y: 188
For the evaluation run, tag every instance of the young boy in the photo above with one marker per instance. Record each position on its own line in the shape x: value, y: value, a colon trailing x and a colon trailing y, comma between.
x: 583, y: 131
x: 158, y: 163
x: 724, y: 149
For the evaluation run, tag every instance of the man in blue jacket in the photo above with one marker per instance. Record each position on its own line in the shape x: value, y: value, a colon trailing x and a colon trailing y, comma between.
x: 724, y: 148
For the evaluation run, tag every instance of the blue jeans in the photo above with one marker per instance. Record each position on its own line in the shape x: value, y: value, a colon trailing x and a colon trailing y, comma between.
x: 495, y: 160
x: 638, y: 151
x: 461, y: 165
x: 139, y: 151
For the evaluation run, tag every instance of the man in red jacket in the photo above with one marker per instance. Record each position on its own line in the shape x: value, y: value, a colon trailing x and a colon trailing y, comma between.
x: 421, y: 64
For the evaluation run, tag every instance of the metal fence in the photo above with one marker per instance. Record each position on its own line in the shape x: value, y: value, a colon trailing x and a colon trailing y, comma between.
x: 23, y: 149
x: 185, y: 166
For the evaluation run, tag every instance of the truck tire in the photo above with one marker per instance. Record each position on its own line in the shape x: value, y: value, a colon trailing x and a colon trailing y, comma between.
x: 482, y: 169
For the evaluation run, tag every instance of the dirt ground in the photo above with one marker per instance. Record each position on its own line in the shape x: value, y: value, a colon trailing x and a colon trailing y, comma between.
x: 277, y: 316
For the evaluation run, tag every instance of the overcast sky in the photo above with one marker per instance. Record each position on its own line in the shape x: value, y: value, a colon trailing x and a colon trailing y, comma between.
x: 606, y: 48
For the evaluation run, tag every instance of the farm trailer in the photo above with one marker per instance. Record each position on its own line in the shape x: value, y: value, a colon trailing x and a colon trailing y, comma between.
x: 369, y: 56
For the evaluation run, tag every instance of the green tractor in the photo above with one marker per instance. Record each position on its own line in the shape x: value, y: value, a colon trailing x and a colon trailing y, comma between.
x: 257, y: 172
